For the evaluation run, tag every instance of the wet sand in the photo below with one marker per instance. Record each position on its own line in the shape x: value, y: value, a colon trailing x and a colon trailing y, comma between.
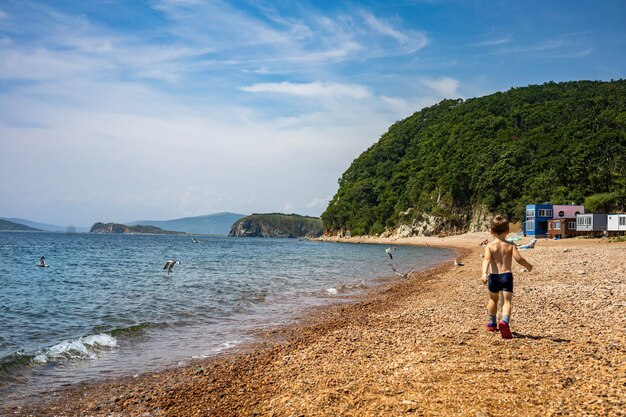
x: 418, y: 347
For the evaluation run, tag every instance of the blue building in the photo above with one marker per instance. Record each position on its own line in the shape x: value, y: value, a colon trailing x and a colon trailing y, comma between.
x: 537, y: 216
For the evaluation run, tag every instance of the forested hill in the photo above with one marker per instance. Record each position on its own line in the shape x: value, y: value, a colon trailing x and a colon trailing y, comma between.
x: 277, y: 225
x: 447, y: 168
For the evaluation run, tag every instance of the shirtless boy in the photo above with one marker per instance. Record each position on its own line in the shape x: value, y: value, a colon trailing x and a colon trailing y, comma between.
x: 498, y: 256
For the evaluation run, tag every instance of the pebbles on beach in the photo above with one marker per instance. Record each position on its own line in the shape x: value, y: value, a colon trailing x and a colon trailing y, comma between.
x: 417, y: 348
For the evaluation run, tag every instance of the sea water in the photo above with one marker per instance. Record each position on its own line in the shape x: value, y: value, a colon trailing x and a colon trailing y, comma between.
x: 105, y: 306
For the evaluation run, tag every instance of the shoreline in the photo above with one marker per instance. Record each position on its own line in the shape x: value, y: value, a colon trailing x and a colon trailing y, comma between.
x: 416, y: 346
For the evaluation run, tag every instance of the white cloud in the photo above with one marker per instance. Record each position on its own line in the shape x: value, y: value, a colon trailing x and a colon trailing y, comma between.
x: 493, y: 42
x: 288, y: 208
x: 446, y: 87
x: 411, y: 40
x: 93, y: 117
x: 385, y: 28
x: 319, y: 203
x: 312, y: 90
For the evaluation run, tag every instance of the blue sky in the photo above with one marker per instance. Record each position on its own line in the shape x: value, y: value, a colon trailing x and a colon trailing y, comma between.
x: 115, y: 110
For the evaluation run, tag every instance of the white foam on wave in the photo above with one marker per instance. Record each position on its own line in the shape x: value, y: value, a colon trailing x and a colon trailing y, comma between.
x: 347, y: 288
x: 81, y: 348
x: 229, y: 344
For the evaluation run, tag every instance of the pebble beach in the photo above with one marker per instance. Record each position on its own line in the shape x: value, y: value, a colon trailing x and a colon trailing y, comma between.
x: 417, y: 347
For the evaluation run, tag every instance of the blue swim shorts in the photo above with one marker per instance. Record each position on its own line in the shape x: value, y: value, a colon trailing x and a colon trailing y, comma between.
x: 500, y: 282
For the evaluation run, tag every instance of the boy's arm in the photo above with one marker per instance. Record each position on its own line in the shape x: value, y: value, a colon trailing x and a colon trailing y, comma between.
x: 485, y: 265
x: 520, y: 260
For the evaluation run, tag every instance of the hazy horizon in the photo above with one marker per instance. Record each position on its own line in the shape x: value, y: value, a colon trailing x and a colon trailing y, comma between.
x: 162, y: 109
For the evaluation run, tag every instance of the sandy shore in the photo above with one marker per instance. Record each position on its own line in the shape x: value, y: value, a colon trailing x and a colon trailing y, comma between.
x: 417, y: 348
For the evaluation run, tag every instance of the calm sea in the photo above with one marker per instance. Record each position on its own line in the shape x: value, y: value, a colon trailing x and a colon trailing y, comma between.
x: 105, y: 307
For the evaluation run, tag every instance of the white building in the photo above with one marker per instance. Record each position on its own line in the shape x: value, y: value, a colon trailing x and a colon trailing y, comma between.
x: 616, y: 223
x: 591, y: 222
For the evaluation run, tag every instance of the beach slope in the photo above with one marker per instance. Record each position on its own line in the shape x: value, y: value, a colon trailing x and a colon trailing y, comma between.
x: 416, y: 348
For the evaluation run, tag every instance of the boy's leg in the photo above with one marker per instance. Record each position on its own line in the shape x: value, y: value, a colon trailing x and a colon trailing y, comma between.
x: 492, y: 308
x: 506, y: 306
x: 505, y: 331
x: 492, y: 305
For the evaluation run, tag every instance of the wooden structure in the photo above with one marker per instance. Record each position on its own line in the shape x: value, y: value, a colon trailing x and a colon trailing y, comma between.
x: 562, y: 228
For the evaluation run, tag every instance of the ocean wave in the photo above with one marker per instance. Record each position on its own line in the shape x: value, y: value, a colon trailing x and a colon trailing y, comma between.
x: 85, y: 347
x: 346, y: 288
x: 133, y: 330
x: 11, y: 362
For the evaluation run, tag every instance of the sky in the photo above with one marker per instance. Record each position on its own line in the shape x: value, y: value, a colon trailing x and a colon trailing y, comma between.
x: 116, y: 110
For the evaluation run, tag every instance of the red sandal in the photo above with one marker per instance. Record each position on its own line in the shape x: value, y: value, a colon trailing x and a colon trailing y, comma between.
x: 505, y: 331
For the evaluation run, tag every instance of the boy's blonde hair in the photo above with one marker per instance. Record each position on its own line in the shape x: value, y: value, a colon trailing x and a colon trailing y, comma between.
x: 499, y: 225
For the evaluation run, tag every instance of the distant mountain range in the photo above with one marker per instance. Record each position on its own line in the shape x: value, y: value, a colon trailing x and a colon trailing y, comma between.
x: 211, y: 224
x: 9, y: 225
x: 42, y: 226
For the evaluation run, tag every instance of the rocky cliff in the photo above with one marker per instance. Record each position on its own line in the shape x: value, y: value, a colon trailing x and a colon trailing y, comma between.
x: 277, y: 225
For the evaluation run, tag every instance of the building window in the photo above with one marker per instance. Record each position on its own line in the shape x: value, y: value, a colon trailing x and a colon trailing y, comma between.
x: 622, y: 220
x: 556, y: 226
x: 561, y: 213
x: 530, y: 213
x: 544, y: 213
x: 583, y: 221
x: 572, y: 225
x: 530, y: 225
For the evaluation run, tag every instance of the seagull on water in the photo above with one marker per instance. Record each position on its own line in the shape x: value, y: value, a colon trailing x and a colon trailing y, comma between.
x: 457, y: 263
x: 42, y: 262
x: 169, y: 265
x: 388, y: 251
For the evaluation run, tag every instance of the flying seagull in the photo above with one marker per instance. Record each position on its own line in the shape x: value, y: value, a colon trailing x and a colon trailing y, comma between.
x: 42, y: 262
x: 388, y: 251
x: 401, y: 275
x: 169, y: 265
x: 457, y: 263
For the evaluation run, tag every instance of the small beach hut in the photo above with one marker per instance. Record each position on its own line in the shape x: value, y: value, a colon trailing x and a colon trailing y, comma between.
x: 616, y: 222
x: 562, y: 228
x: 537, y: 216
x: 591, y: 223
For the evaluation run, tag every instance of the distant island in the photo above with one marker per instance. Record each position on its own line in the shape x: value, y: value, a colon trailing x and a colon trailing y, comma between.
x: 117, y: 228
x: 277, y: 225
x: 6, y: 225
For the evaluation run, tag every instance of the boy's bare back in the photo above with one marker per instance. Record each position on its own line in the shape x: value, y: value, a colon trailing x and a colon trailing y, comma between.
x: 500, y: 254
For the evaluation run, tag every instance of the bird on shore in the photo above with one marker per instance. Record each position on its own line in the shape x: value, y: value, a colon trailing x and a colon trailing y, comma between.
x: 401, y: 274
x: 169, y: 265
x: 457, y: 263
x: 388, y: 251
x: 42, y: 262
